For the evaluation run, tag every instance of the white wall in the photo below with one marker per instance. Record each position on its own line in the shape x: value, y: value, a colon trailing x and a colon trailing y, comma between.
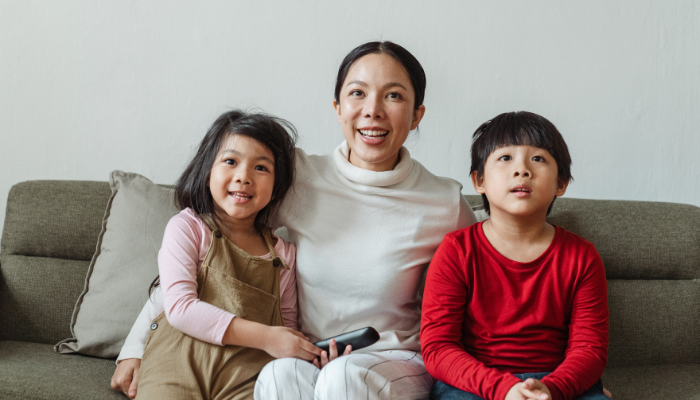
x: 91, y: 86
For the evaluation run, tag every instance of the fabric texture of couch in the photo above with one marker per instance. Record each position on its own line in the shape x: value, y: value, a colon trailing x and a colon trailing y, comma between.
x: 651, y: 253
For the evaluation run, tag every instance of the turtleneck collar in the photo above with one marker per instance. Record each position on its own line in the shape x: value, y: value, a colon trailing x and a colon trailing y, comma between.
x: 366, y: 177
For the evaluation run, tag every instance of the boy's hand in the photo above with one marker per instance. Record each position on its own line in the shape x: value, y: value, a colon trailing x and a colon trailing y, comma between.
x: 534, y: 389
x: 283, y: 342
x: 514, y: 393
x: 126, y: 376
x: 333, y: 350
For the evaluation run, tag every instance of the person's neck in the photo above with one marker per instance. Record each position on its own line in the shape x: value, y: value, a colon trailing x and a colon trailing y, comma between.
x: 383, y: 166
x: 519, y: 238
x: 243, y: 234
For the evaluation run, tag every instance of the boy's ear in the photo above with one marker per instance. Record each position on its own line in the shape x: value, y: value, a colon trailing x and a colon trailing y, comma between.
x: 479, y: 183
x: 561, y: 188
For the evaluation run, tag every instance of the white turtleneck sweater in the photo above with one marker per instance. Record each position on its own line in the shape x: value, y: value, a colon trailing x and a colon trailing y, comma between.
x: 364, y: 240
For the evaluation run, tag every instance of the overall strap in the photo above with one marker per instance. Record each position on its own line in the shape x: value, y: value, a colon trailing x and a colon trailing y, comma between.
x: 209, y: 221
x: 276, y: 261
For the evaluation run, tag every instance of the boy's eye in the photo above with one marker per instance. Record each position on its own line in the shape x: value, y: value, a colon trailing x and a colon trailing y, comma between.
x: 504, y: 158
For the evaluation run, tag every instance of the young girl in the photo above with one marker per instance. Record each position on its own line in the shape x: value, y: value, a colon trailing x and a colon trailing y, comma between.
x: 227, y: 284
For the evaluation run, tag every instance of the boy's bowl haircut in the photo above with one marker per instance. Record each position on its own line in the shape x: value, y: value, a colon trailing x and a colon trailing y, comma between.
x: 519, y: 128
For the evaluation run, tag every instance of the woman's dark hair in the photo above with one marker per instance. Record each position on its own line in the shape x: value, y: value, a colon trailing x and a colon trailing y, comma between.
x: 278, y: 135
x: 520, y: 128
x: 403, y: 56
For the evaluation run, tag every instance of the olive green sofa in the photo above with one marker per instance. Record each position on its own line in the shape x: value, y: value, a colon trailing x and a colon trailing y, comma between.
x: 651, y: 253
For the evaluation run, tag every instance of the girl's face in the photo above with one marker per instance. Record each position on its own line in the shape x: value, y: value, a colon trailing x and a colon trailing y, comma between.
x: 241, y: 179
x: 376, y: 111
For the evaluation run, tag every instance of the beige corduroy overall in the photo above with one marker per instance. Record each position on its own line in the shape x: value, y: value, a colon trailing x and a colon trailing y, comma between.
x: 178, y: 366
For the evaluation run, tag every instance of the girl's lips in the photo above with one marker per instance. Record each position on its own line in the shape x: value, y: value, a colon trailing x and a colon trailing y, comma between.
x: 240, y: 197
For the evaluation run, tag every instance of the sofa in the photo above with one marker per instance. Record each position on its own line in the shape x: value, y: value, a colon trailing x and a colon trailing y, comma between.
x: 651, y: 253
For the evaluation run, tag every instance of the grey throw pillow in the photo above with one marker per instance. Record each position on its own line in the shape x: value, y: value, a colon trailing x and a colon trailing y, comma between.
x: 123, y: 266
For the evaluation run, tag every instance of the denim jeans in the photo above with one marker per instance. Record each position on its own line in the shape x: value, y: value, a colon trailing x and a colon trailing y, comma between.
x: 443, y: 391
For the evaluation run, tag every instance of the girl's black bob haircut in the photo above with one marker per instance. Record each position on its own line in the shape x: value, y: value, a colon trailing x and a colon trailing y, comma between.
x: 519, y: 128
x: 403, y: 56
x: 278, y: 135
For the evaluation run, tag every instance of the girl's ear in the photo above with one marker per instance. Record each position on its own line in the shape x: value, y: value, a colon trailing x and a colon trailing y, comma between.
x: 478, y: 183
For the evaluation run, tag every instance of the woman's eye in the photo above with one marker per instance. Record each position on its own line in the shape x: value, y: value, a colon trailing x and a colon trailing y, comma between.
x: 394, y: 95
x: 356, y: 93
x: 504, y: 158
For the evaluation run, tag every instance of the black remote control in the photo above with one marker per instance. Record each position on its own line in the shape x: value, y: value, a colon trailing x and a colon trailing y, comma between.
x: 359, y: 339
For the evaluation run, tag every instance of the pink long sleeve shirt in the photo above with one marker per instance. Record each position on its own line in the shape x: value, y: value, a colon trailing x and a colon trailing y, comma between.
x: 185, y: 244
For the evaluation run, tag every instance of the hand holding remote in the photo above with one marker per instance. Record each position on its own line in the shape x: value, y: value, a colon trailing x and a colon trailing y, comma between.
x: 346, y: 342
x: 330, y: 355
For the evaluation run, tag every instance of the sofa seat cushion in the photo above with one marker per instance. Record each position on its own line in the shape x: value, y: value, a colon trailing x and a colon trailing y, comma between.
x: 671, y: 381
x: 35, y: 371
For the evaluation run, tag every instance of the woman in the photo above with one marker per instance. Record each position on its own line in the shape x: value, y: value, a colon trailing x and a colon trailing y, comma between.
x: 366, y: 220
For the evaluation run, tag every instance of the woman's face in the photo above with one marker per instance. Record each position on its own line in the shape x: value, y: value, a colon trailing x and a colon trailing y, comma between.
x: 376, y: 111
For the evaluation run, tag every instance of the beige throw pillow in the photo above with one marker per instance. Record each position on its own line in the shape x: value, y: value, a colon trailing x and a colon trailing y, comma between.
x: 123, y: 266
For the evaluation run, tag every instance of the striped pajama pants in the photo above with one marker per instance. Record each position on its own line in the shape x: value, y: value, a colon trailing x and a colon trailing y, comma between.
x: 392, y: 374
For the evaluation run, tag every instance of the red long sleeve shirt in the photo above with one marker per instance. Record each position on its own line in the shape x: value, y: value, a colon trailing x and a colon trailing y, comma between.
x: 486, y: 317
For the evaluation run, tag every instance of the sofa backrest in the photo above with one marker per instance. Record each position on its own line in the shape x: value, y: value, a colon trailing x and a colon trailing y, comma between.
x: 48, y: 240
x: 651, y: 253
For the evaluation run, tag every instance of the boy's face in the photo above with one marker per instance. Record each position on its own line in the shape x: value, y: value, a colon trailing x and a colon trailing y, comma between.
x: 520, y: 181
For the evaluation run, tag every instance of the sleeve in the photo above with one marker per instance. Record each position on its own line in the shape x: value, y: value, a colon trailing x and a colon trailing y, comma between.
x: 178, y: 263
x: 135, y: 342
x: 444, y: 309
x: 587, y: 350
x: 288, y: 284
x: 466, y: 216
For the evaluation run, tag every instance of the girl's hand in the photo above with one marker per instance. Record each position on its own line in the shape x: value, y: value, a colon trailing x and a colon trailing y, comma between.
x: 283, y: 342
x: 333, y: 349
x: 126, y: 376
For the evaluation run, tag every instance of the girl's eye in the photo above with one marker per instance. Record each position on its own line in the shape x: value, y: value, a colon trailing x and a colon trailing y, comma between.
x: 538, y: 159
x: 504, y: 158
x: 260, y: 168
x: 230, y: 161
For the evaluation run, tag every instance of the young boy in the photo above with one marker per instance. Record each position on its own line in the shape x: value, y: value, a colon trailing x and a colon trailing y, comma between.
x: 515, y: 308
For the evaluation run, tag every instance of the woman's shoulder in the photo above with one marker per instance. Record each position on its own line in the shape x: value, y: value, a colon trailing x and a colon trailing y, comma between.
x: 435, y: 182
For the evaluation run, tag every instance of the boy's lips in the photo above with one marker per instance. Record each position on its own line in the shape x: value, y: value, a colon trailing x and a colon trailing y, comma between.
x: 521, y: 190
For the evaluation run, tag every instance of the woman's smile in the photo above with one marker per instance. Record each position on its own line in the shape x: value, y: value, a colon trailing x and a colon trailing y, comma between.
x: 375, y: 111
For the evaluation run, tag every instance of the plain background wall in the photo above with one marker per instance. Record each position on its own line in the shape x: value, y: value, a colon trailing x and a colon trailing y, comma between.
x: 87, y: 87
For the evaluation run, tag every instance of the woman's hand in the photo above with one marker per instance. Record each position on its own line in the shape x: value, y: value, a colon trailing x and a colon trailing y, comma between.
x: 333, y: 350
x: 126, y: 376
x: 283, y: 342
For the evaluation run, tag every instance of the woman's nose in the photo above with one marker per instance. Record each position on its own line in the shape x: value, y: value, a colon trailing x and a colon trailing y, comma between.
x: 373, y: 107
